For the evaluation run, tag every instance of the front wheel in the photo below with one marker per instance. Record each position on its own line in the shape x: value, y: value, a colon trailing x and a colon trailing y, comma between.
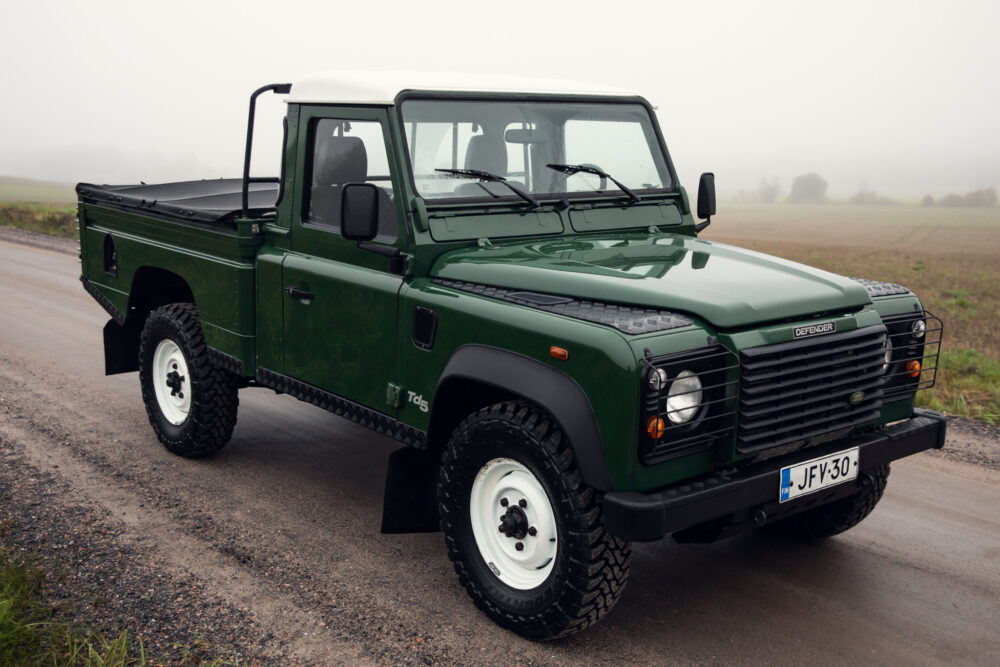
x: 191, y: 403
x: 524, y: 532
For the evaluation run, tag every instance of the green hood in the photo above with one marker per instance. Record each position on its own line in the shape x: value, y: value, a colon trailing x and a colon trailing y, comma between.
x: 725, y: 285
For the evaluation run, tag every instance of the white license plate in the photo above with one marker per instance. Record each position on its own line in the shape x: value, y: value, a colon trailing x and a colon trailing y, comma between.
x: 810, y: 476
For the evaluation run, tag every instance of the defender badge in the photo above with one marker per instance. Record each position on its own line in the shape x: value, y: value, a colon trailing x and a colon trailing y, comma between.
x: 814, y: 329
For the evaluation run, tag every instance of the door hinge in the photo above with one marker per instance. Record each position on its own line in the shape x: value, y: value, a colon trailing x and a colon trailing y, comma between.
x: 393, y: 395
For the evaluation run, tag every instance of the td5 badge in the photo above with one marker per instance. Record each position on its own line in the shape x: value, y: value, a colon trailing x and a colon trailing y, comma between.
x: 418, y: 400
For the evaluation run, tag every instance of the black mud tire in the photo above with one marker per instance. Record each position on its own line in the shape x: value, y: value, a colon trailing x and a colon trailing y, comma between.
x: 214, y: 391
x: 590, y: 568
x: 836, y: 517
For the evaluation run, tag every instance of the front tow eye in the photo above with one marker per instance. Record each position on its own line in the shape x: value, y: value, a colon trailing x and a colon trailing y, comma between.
x: 176, y: 383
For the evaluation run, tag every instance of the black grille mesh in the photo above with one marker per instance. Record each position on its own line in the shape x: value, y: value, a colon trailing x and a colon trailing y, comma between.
x: 796, y: 391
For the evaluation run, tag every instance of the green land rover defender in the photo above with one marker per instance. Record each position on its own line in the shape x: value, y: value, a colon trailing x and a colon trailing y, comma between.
x: 506, y: 276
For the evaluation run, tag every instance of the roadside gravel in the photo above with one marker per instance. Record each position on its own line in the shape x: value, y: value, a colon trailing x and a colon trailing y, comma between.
x: 101, y: 582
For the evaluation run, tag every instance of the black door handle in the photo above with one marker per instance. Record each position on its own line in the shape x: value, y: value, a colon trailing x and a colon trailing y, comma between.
x: 298, y: 294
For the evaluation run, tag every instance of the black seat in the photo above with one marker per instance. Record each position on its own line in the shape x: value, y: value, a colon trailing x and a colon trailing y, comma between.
x: 485, y: 153
x: 337, y: 161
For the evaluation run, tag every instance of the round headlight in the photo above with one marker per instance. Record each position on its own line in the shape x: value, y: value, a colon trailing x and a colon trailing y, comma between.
x: 888, y: 355
x: 684, y: 397
x: 657, y: 379
x: 918, y: 329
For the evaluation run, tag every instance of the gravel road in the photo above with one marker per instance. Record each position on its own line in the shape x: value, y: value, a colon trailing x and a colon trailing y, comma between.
x: 271, y: 550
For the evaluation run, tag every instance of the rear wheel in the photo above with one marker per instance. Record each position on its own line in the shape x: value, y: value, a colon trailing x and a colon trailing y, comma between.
x: 191, y: 404
x: 836, y: 517
x: 524, y: 532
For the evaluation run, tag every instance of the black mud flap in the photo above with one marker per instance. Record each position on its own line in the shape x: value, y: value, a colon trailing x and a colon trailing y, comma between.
x: 410, y: 505
x: 121, y: 349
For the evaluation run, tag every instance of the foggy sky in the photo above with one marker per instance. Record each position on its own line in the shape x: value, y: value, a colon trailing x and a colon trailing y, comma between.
x: 899, y: 96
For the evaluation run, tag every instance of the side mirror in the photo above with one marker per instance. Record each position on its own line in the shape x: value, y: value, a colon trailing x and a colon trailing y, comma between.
x: 359, y: 212
x: 706, y: 196
x: 706, y: 200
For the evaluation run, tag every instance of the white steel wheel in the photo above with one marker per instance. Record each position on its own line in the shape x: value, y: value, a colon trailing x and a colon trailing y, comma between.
x: 171, y: 382
x: 513, y: 523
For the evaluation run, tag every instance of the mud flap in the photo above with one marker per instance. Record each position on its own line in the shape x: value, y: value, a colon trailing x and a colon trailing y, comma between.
x: 409, y: 505
x: 121, y: 349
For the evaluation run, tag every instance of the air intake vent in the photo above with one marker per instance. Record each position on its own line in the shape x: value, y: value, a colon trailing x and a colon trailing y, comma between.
x: 424, y: 327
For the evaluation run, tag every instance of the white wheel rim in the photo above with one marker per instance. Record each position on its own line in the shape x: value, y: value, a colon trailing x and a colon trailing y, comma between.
x: 507, y: 480
x: 171, y: 382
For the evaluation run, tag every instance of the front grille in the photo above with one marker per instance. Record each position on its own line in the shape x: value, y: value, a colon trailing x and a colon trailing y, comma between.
x: 792, y: 392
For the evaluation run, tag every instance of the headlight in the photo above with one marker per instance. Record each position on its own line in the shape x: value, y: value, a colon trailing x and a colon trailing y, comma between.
x: 888, y: 355
x: 684, y: 397
x: 918, y: 329
x: 657, y: 379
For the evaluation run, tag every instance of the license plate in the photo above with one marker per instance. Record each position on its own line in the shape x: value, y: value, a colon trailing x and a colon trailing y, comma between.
x: 811, y: 476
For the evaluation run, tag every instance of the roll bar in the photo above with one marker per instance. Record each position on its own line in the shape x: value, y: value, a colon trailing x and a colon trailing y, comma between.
x: 280, y: 89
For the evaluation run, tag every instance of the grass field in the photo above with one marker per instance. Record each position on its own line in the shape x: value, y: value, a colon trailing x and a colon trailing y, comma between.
x: 949, y: 257
x: 28, y: 190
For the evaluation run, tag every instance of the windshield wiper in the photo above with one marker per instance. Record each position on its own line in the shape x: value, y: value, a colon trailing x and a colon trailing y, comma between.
x: 493, y: 178
x: 587, y: 169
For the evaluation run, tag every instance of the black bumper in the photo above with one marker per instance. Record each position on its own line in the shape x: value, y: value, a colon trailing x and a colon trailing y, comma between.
x: 751, y: 493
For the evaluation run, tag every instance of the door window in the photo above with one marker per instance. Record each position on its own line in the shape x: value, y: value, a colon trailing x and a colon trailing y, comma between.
x: 348, y: 151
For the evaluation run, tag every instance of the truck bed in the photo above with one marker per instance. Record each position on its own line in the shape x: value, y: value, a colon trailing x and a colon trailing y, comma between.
x: 205, y: 201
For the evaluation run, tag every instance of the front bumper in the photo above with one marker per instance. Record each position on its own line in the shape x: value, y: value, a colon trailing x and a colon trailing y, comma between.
x: 749, y: 496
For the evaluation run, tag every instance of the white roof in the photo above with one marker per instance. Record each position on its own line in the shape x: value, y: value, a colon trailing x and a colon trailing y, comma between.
x: 381, y: 87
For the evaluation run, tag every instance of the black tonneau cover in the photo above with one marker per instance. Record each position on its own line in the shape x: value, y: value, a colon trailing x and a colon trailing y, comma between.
x: 205, y: 201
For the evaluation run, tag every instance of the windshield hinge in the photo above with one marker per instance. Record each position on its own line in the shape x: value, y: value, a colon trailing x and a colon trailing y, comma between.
x: 407, y: 263
x: 653, y: 229
x: 485, y: 243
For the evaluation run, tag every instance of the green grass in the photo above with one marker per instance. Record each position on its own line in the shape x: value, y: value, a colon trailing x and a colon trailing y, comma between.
x: 968, y: 385
x: 31, y: 632
x: 51, y: 219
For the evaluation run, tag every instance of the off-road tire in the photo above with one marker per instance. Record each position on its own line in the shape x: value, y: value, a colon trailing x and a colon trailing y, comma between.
x: 214, y: 391
x: 590, y: 568
x: 836, y: 517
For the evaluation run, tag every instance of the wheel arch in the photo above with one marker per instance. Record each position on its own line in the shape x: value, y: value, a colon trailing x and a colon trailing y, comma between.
x: 480, y: 375
x: 151, y: 288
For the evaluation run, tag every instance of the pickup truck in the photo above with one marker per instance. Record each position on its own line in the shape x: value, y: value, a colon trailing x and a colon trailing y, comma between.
x: 506, y: 276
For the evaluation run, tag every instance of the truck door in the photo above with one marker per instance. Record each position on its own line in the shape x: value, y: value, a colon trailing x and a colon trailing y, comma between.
x: 340, y: 312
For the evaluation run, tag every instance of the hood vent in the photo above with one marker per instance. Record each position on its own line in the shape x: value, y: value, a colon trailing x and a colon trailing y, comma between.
x: 627, y: 319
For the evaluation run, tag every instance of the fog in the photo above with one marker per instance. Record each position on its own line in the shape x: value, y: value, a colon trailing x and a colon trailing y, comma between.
x: 899, y: 96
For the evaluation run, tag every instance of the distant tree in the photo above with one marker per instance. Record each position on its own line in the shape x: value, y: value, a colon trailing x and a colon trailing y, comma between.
x: 980, y: 198
x: 808, y: 189
x: 870, y: 198
x: 769, y: 190
x: 927, y: 201
x: 952, y: 200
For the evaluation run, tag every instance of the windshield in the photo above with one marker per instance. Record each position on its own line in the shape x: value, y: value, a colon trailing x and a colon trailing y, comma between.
x: 516, y: 140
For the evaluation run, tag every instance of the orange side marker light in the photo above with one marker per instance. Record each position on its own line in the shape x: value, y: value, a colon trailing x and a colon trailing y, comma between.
x: 559, y: 353
x: 913, y: 367
x: 655, y: 427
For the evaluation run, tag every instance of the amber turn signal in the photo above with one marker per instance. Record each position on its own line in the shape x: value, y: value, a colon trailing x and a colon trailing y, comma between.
x: 913, y: 367
x: 655, y: 427
x: 559, y: 353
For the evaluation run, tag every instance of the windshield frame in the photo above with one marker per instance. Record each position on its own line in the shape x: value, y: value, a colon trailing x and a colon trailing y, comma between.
x: 651, y: 194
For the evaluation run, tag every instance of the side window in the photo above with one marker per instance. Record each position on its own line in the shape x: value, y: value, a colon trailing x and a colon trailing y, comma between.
x: 348, y: 151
